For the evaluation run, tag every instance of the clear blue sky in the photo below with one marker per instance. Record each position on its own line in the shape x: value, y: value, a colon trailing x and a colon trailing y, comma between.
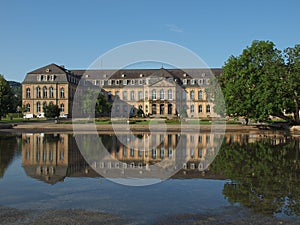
x: 75, y: 33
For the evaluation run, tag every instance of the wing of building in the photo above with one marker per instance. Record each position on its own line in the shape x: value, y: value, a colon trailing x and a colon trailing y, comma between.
x: 156, y: 92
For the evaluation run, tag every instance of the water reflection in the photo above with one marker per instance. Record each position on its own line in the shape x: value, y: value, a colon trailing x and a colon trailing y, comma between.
x: 262, y: 171
x: 9, y: 147
x: 264, y: 175
x: 52, y: 157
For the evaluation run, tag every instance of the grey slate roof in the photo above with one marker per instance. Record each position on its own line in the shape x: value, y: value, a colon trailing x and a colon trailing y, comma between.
x: 61, y: 73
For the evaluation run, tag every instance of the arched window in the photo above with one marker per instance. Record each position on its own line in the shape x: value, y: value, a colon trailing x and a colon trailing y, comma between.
x: 44, y: 105
x: 132, y: 95
x: 154, y: 94
x: 208, y: 108
x: 62, y: 107
x: 170, y: 94
x: 109, y: 96
x: 44, y: 92
x: 162, y: 94
x: 27, y: 107
x: 154, y: 109
x: 27, y: 92
x: 51, y: 92
x: 200, y: 109
x: 62, y: 93
x: 192, y: 95
x: 38, y: 92
x: 125, y: 95
x: 38, y: 107
x: 140, y: 95
x: 200, y: 95
x: 192, y: 108
x: 183, y: 95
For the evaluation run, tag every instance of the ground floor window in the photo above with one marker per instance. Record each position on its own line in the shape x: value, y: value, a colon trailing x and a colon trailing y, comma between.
x: 62, y: 107
x: 28, y: 107
x: 208, y: 108
x: 154, y: 109
x: 200, y: 109
x: 170, y: 109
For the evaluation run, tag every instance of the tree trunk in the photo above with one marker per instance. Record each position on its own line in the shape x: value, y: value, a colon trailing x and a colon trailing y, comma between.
x: 296, y: 113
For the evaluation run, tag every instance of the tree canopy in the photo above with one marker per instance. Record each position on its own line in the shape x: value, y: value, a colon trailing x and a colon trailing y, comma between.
x: 51, y: 111
x: 262, y: 82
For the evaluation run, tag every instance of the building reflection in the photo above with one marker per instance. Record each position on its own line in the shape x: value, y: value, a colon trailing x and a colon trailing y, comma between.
x: 53, y: 157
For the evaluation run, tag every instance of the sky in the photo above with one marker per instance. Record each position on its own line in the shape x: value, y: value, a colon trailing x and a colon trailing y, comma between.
x: 35, y: 33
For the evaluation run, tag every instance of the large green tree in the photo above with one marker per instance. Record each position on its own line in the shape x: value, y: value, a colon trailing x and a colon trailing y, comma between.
x: 290, y: 81
x: 51, y: 111
x: 6, y: 96
x: 254, y: 83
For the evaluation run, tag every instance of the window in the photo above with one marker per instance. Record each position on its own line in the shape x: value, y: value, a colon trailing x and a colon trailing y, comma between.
x: 184, y: 81
x: 109, y: 82
x: 27, y: 107
x: 192, y: 95
x: 38, y: 92
x: 44, y: 92
x: 162, y: 94
x: 200, y: 95
x: 170, y: 94
x: 125, y: 82
x: 124, y: 95
x: 51, y: 93
x: 38, y: 107
x: 146, y: 95
x: 200, y: 109
x: 154, y: 109
x: 183, y: 95
x: 109, y: 95
x: 44, y: 105
x: 154, y: 94
x: 192, y: 108
x: 140, y: 95
x: 132, y: 95
x: 192, y: 81
x: 208, y: 108
x: 62, y: 107
x: 27, y: 92
x: 62, y: 93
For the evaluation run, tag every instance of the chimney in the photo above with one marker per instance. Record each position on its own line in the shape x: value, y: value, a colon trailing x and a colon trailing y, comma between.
x: 62, y: 66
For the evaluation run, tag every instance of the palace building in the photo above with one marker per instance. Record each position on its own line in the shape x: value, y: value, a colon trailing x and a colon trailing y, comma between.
x: 157, y: 92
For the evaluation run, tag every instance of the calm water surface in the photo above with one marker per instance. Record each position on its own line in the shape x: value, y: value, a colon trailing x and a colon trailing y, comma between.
x: 254, y: 172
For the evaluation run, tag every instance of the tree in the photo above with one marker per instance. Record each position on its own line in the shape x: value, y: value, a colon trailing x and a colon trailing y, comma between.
x: 291, y: 79
x: 6, y: 97
x: 252, y: 82
x: 51, y: 111
x: 103, y: 107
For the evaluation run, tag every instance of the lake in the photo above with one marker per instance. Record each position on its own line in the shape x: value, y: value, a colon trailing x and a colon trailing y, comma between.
x: 150, y: 176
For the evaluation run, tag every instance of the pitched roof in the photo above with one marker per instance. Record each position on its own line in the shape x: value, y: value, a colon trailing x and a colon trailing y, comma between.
x: 50, y: 69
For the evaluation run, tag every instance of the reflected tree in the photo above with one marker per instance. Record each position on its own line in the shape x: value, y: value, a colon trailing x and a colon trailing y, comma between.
x: 264, y: 176
x: 9, y: 147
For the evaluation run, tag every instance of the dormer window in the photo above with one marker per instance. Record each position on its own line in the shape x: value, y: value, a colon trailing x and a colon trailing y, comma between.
x: 39, y: 78
x: 184, y: 81
x: 123, y: 75
x: 104, y: 75
x: 48, y: 70
x: 203, y: 74
x: 184, y: 75
x: 86, y: 76
x: 141, y: 75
